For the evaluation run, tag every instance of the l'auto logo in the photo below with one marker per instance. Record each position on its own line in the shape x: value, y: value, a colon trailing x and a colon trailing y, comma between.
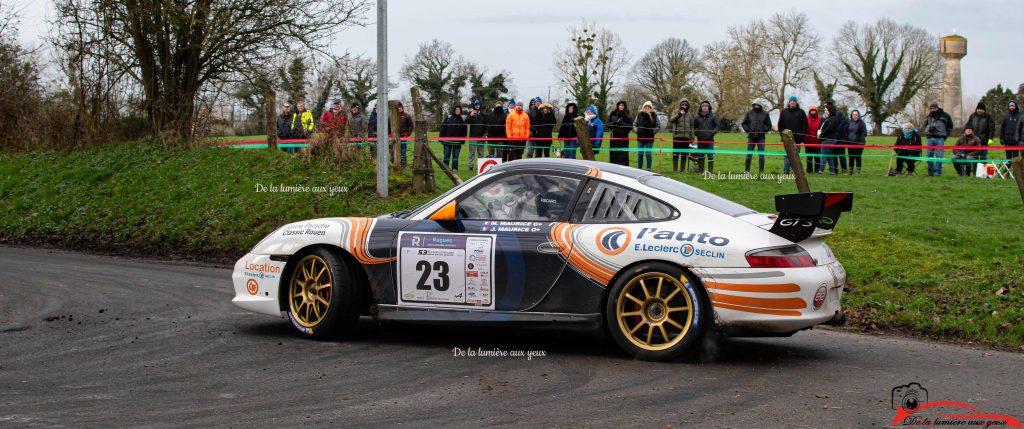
x: 613, y: 241
x: 252, y: 286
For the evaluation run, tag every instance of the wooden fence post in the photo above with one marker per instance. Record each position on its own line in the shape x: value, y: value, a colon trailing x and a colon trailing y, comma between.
x: 269, y: 104
x: 396, y: 137
x: 422, y: 172
x: 793, y: 153
x: 583, y: 135
x: 1017, y: 168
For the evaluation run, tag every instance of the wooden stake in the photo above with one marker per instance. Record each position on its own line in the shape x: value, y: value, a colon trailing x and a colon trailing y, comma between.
x: 422, y: 172
x: 448, y: 172
x: 269, y: 104
x: 583, y: 135
x: 794, y: 161
x: 1017, y: 168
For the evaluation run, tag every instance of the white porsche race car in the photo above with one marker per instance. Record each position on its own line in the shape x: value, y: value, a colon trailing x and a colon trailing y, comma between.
x: 561, y: 242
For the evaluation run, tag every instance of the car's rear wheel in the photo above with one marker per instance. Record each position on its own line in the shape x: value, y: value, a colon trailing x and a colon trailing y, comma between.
x: 656, y: 312
x: 323, y: 295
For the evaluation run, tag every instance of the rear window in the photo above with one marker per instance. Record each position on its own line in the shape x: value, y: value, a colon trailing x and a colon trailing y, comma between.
x: 609, y: 202
x: 695, y: 195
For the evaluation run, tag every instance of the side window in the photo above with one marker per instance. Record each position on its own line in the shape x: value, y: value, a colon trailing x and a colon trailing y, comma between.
x: 610, y: 203
x: 522, y: 197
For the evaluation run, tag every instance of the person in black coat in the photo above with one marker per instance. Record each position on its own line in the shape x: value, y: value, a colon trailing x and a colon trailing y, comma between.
x: 477, y: 121
x: 756, y: 123
x: 984, y: 126
x: 856, y: 135
x: 705, y: 126
x: 1009, y: 135
x: 567, y: 132
x: 453, y: 126
x: 496, y: 130
x: 794, y: 119
x: 833, y: 130
x: 908, y: 136
x: 647, y: 126
x: 543, y: 125
x: 620, y: 123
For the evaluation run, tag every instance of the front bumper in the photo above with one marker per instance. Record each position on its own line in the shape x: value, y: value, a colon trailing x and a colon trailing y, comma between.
x: 257, y: 280
x: 756, y: 301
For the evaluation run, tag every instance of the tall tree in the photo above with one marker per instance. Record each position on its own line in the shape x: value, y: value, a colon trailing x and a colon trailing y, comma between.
x: 589, y: 67
x: 669, y: 72
x: 791, y: 48
x: 358, y: 81
x: 826, y: 90
x: 439, y: 72
x: 487, y: 90
x: 174, y: 49
x: 293, y: 79
x: 736, y: 72
x: 886, y: 65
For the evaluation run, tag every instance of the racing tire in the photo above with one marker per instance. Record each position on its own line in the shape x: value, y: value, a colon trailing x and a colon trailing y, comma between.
x: 657, y: 312
x: 323, y: 295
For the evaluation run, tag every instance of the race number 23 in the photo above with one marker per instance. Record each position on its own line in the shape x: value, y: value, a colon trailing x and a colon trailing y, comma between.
x: 438, y: 271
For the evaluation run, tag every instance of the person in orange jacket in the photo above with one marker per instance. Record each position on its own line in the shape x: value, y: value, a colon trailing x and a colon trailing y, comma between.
x: 517, y: 128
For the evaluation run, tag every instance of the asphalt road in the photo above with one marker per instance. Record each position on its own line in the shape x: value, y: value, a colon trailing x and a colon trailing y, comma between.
x: 92, y: 341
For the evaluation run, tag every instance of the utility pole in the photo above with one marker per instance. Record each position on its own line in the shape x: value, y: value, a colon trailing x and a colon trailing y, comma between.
x: 382, y: 98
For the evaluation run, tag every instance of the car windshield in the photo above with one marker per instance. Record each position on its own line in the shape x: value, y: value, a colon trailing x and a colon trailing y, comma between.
x: 695, y: 195
x: 405, y: 214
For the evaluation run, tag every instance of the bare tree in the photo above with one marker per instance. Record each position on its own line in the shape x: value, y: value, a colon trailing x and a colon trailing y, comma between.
x: 439, y: 72
x: 887, y: 65
x: 791, y: 48
x: 669, y: 72
x: 589, y: 67
x: 174, y: 49
x: 736, y: 72
x: 358, y: 80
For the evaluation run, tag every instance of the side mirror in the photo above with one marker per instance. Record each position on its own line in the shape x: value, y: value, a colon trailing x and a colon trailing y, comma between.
x: 447, y: 213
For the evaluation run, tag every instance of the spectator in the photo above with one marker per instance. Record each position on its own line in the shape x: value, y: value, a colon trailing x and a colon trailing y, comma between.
x: 794, y: 119
x: 543, y: 127
x: 595, y: 128
x: 517, y: 129
x: 496, y: 130
x: 964, y: 159
x: 620, y: 123
x: 647, y: 126
x: 856, y: 135
x: 681, y: 124
x: 811, y: 141
x: 567, y: 132
x: 532, y: 113
x: 305, y: 121
x: 453, y: 126
x: 1010, y: 131
x: 477, y: 121
x: 371, y: 125
x: 705, y: 126
x: 984, y: 126
x: 756, y: 123
x: 907, y: 137
x: 333, y: 121
x: 833, y: 128
x: 356, y: 123
x: 287, y: 125
x: 405, y: 128
x: 937, y: 126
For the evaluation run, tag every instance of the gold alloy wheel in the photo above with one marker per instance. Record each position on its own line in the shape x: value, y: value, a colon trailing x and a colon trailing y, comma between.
x: 654, y: 311
x: 310, y: 290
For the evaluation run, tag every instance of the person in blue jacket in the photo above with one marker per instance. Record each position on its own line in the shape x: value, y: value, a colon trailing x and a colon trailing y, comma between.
x: 595, y: 128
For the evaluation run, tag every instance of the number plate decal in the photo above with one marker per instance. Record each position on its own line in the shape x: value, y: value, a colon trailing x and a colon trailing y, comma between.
x: 446, y: 270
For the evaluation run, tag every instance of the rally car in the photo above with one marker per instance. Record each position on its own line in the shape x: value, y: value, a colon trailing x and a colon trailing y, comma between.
x: 561, y: 242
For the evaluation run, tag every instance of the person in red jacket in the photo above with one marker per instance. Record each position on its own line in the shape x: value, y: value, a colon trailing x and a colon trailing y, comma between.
x: 332, y: 122
x: 517, y: 128
x: 813, y: 152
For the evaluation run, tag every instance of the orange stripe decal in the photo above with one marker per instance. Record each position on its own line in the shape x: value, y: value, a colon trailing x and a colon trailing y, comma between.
x: 757, y: 310
x: 760, y: 288
x: 769, y: 303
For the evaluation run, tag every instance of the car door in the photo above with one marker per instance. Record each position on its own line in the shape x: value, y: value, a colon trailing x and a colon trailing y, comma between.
x: 498, y: 254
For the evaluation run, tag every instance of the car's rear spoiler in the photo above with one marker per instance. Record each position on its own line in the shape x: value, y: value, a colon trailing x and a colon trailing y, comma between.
x: 800, y: 215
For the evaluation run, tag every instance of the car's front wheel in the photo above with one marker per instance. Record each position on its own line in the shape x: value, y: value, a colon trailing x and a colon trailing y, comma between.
x: 656, y: 312
x: 323, y: 296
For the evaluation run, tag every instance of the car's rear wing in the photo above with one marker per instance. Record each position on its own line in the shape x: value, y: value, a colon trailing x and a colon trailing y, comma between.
x: 800, y: 215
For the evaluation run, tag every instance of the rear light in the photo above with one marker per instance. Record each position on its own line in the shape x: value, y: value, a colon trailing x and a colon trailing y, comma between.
x: 780, y: 257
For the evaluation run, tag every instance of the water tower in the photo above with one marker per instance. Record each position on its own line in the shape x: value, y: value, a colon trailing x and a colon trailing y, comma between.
x: 953, y: 48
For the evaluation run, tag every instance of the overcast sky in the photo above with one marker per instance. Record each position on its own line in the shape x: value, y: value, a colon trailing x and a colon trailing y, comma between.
x: 522, y: 36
